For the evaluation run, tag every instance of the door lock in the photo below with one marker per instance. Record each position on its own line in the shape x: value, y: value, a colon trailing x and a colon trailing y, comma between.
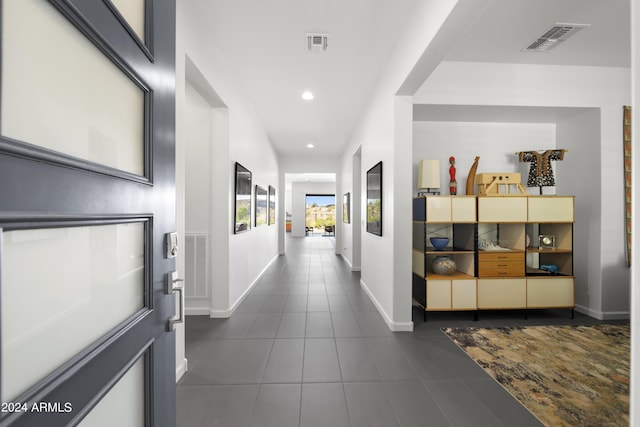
x: 171, y: 245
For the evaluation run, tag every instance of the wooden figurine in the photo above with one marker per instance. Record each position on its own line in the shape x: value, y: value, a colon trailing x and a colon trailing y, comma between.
x: 453, y: 184
x: 472, y: 176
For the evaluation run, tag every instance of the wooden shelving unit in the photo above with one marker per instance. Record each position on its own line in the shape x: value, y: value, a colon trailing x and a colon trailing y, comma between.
x: 494, y: 241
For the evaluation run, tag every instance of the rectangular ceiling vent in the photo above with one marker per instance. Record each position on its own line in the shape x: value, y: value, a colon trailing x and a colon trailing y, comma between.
x: 553, y: 36
x: 317, y: 42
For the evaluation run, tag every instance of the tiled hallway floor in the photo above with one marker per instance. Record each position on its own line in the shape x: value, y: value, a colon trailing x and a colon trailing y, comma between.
x: 308, y: 348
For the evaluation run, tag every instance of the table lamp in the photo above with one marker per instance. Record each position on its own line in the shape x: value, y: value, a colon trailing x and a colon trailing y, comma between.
x: 428, y: 177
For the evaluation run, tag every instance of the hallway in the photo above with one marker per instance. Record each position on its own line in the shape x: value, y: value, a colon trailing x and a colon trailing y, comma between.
x: 308, y: 348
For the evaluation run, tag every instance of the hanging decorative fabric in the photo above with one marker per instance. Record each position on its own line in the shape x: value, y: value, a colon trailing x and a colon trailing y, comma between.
x: 540, y: 171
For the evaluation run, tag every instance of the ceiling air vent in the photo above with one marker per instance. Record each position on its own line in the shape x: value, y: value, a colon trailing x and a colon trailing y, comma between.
x: 318, y: 42
x: 553, y: 36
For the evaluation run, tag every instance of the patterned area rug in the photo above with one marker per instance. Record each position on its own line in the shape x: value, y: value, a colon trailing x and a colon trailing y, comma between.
x: 565, y: 375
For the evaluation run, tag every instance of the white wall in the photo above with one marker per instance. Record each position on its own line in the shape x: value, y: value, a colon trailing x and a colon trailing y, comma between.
x: 495, y: 144
x: 244, y: 140
x: 607, y: 89
x: 635, y: 262
x: 299, y: 191
x: 384, y: 133
x: 580, y: 133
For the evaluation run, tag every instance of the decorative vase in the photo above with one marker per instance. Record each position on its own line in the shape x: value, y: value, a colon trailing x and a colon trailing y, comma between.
x: 443, y: 265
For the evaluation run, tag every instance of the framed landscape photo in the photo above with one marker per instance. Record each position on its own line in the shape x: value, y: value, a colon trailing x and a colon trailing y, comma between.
x: 272, y: 205
x: 242, y: 205
x: 374, y: 199
x: 261, y: 206
x: 346, y: 208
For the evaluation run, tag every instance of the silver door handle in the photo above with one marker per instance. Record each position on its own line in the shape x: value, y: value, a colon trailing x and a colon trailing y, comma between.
x: 171, y: 287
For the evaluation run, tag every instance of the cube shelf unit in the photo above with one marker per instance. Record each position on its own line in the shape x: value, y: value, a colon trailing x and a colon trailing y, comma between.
x: 453, y: 217
x: 501, y: 258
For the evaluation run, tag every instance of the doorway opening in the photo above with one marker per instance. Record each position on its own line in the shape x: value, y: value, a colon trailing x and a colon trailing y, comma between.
x: 320, y: 215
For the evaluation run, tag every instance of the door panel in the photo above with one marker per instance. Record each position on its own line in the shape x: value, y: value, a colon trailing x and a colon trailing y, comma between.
x: 92, y: 110
x: 99, y: 277
x: 47, y: 192
x: 123, y: 405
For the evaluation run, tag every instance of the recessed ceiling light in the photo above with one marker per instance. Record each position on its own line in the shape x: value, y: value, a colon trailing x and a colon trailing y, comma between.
x: 310, y: 145
x: 307, y: 96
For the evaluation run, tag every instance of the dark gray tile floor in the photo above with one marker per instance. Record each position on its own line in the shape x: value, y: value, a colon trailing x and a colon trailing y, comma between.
x: 308, y: 348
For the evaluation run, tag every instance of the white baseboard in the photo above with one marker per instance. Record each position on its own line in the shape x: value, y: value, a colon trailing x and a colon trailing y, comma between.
x: 349, y: 263
x: 219, y: 314
x: 603, y: 315
x: 181, y: 369
x: 197, y: 311
x: 393, y: 326
x: 228, y: 312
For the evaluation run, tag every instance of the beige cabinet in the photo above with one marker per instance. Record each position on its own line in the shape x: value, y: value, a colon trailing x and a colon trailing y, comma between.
x: 454, y: 294
x: 438, y: 294
x: 550, y: 292
x: 464, y: 294
x: 498, y: 294
x: 450, y: 209
x: 550, y: 209
x: 502, y: 209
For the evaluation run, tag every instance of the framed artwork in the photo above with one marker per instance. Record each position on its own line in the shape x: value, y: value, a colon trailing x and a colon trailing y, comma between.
x: 374, y: 199
x: 242, y: 206
x: 261, y: 217
x: 626, y: 132
x: 272, y: 205
x: 346, y: 208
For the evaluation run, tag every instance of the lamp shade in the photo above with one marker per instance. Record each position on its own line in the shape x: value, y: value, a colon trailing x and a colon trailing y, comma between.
x: 429, y: 174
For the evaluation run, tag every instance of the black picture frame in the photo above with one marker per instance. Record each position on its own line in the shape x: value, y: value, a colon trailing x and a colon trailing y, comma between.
x: 346, y: 208
x: 260, y: 215
x: 374, y: 200
x: 242, y: 204
x: 272, y: 206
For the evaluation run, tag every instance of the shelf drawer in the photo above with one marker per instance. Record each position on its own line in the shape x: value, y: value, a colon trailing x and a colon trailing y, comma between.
x: 500, y: 256
x: 501, y: 269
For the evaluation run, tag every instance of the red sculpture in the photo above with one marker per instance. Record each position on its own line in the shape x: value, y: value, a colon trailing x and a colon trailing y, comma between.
x: 453, y: 184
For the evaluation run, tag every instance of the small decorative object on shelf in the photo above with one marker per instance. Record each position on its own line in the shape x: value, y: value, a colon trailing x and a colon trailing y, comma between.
x: 471, y: 177
x: 500, y: 184
x: 443, y: 265
x: 551, y: 268
x: 453, y: 184
x: 439, y: 242
x: 429, y: 177
x: 547, y: 241
x: 540, y: 171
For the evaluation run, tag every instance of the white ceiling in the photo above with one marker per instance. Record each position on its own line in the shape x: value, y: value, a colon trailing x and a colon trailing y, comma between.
x: 264, y: 44
x: 508, y: 26
x: 290, y: 178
